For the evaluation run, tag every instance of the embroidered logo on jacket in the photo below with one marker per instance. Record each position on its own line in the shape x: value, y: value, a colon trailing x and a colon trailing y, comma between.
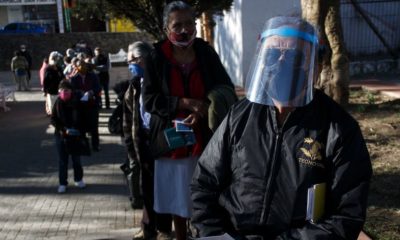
x: 312, y: 153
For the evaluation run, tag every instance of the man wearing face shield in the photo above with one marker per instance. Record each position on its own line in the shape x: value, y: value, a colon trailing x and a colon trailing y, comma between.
x: 287, y: 162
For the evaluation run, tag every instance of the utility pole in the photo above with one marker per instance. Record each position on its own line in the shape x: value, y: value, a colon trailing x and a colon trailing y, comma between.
x: 67, y: 13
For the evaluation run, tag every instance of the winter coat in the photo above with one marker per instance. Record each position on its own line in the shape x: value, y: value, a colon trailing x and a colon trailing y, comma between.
x: 253, y: 177
x: 52, y: 77
x: 156, y: 93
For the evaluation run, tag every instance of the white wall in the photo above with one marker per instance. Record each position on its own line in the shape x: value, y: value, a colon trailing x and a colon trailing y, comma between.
x: 236, y: 34
x: 228, y: 41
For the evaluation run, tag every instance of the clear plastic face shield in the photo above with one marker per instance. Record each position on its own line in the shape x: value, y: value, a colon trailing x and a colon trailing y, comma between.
x: 285, y: 65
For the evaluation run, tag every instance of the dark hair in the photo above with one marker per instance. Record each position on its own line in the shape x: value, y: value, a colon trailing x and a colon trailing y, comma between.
x: 64, y: 85
x: 67, y: 59
x: 175, y: 6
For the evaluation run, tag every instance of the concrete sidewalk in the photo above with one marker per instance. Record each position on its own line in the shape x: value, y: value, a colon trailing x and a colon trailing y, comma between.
x: 30, y: 207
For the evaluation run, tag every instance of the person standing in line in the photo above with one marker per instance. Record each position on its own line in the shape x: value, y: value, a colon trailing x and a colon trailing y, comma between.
x: 19, y: 67
x: 68, y: 122
x: 25, y: 53
x: 42, y: 71
x: 101, y: 66
x: 136, y: 128
x: 179, y: 73
x: 287, y: 162
x: 87, y: 84
x: 52, y: 77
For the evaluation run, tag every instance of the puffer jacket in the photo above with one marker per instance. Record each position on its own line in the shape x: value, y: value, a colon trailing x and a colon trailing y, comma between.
x: 253, y: 177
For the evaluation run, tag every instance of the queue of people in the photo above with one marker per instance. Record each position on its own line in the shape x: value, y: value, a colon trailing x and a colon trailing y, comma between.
x: 72, y: 85
x: 262, y: 171
x: 285, y: 162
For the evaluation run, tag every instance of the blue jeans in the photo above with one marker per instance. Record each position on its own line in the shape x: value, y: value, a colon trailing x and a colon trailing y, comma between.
x: 63, y: 163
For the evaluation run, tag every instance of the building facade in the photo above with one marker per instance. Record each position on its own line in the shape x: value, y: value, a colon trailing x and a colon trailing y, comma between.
x: 42, y: 12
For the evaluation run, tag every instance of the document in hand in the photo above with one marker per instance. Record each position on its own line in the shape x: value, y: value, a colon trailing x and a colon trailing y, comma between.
x: 181, y: 126
x: 177, y: 139
x: 316, y: 202
x: 85, y: 97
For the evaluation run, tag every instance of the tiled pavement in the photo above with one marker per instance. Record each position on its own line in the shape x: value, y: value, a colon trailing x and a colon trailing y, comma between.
x: 30, y: 208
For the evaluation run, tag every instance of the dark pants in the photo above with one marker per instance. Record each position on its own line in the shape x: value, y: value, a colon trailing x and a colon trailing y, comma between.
x: 63, y: 163
x: 91, y: 116
x: 156, y: 221
x: 104, y: 78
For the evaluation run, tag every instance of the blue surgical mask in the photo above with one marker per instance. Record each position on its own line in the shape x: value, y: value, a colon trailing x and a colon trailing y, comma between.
x: 136, y: 70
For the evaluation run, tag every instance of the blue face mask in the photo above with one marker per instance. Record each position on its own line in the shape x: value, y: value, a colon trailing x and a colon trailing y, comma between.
x: 136, y: 70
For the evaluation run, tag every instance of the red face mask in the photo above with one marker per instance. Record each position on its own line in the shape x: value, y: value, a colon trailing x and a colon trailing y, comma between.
x: 183, y: 39
x: 65, y: 94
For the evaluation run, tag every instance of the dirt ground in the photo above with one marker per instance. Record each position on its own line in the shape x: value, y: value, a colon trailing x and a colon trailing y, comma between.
x: 379, y: 119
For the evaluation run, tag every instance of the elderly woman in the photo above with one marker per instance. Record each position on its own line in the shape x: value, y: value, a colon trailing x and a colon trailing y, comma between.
x: 179, y: 73
x: 53, y: 75
x: 141, y: 163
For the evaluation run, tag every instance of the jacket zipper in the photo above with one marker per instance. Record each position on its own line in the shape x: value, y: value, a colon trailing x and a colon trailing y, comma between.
x: 267, y: 196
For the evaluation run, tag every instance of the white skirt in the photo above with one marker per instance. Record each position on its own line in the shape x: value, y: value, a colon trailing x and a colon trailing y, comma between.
x: 50, y: 100
x: 172, y: 178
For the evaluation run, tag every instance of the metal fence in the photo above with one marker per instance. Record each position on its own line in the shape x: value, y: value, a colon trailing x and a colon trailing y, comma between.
x: 360, y: 39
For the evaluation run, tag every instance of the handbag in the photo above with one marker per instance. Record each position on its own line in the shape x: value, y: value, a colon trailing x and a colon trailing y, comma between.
x: 77, y: 145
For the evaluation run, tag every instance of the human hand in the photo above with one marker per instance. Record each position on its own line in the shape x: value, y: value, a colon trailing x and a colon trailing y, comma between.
x: 192, y: 119
x: 196, y: 106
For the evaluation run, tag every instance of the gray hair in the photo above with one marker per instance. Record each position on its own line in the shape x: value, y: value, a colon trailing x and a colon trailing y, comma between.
x: 70, y: 52
x: 138, y: 49
x: 54, y: 57
x: 175, y: 6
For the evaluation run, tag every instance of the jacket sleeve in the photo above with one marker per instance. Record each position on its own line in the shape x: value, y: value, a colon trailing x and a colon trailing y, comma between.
x: 211, y: 176
x: 46, y: 80
x: 220, y: 77
x: 55, y: 118
x: 347, y: 199
x: 127, y: 123
x: 155, y: 98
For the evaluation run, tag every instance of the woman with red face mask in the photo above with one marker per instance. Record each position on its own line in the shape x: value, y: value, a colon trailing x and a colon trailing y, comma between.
x: 67, y: 120
x: 179, y: 73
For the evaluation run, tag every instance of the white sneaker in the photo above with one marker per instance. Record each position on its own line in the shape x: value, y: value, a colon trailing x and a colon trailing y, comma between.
x: 62, y: 189
x: 80, y: 184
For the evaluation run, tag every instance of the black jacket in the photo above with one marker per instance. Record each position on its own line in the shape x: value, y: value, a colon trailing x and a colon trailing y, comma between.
x: 253, y: 176
x: 52, y: 77
x: 67, y: 115
x: 156, y: 93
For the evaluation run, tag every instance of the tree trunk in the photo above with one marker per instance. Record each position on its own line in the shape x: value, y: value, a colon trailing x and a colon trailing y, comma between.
x: 207, y: 27
x: 334, y: 77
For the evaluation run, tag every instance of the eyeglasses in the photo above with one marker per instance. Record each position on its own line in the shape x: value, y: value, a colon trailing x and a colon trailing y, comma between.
x: 293, y: 57
x: 136, y: 60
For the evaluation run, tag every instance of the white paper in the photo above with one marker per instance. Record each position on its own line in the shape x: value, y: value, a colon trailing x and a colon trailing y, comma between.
x: 85, y: 97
